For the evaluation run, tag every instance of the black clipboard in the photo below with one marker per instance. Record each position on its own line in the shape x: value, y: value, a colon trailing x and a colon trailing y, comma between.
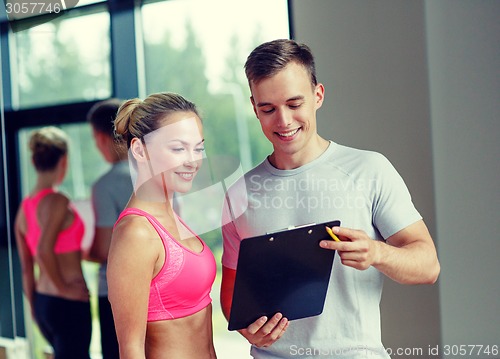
x: 284, y: 271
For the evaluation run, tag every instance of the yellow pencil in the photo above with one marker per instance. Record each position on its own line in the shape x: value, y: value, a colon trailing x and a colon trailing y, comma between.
x: 330, y: 232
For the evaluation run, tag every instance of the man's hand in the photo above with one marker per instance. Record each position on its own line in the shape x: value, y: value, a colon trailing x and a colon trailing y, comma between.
x: 356, y: 248
x: 263, y: 332
x: 407, y: 257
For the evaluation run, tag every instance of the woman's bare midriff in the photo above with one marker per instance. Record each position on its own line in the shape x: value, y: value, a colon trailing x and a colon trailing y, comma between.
x: 70, y: 270
x: 182, y: 338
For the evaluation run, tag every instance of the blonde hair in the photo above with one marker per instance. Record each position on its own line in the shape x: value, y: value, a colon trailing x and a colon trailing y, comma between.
x: 137, y: 118
x: 48, y: 145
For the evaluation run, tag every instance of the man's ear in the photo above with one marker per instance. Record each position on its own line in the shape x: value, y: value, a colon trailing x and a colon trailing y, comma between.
x: 253, y: 105
x: 138, y: 150
x: 319, y: 92
x: 100, y: 137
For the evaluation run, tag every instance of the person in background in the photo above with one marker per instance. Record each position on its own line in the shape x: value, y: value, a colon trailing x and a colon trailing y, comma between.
x: 49, y: 234
x: 110, y: 194
x: 160, y: 273
x: 382, y: 233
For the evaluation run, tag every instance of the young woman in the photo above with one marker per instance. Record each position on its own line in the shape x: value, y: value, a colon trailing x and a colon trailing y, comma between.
x: 159, y: 272
x: 49, y: 233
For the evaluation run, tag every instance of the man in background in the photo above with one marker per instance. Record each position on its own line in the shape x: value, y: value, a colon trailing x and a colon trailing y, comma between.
x: 110, y: 194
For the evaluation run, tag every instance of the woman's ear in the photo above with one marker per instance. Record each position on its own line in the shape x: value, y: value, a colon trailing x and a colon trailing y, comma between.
x: 63, y: 161
x: 62, y: 167
x: 138, y: 150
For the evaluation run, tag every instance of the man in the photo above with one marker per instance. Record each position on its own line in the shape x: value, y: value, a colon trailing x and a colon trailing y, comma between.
x: 310, y: 179
x: 110, y: 194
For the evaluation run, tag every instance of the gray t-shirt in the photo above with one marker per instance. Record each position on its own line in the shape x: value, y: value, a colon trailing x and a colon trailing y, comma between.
x: 110, y: 194
x: 359, y: 188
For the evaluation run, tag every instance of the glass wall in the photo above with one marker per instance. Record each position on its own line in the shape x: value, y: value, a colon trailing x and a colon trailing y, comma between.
x: 55, y: 71
x: 198, y: 48
x: 62, y: 61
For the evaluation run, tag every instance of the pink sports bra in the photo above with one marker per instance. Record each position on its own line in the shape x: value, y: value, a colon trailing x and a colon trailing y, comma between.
x: 68, y: 240
x: 182, y: 287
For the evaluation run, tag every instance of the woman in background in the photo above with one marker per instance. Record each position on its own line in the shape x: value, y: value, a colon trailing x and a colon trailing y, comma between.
x: 49, y: 234
x: 159, y: 272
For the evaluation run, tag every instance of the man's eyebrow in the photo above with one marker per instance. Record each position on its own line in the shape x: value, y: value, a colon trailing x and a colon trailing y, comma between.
x: 295, y: 98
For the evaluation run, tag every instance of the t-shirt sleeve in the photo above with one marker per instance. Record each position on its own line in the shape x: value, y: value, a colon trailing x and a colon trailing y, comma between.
x: 230, y: 238
x: 393, y: 209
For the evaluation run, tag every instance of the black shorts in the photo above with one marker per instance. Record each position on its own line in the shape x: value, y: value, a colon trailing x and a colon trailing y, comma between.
x: 66, y: 324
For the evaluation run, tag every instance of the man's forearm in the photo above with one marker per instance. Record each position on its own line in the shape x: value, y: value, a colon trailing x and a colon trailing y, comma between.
x: 414, y: 263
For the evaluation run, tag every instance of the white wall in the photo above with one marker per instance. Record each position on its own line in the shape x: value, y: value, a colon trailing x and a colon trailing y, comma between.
x: 418, y: 81
x: 464, y: 68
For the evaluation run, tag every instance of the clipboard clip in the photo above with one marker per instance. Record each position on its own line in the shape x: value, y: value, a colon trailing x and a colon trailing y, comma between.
x: 289, y: 228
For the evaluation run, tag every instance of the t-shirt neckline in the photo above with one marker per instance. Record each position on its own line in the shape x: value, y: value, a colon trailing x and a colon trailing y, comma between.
x: 277, y: 172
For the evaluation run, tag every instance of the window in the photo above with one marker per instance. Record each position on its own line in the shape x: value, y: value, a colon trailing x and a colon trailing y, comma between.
x: 61, y: 61
x: 198, y: 48
x: 193, y: 47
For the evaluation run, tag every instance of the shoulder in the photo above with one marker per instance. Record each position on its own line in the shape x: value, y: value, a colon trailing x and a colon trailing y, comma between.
x: 54, y: 200
x: 245, y: 178
x: 115, y: 178
x: 347, y: 153
x: 115, y: 169
x: 257, y: 169
x: 358, y: 161
x: 134, y: 231
x: 103, y: 180
x: 133, y: 226
x: 119, y: 169
x: 52, y: 209
x: 258, y: 172
x: 20, y: 220
x: 134, y: 238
